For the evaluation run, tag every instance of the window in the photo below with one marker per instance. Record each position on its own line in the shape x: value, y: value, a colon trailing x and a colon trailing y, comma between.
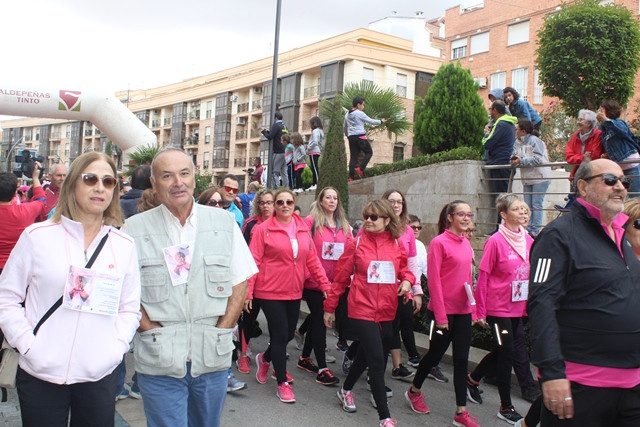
x: 518, y: 33
x: 398, y: 152
x: 206, y: 160
x: 479, y: 43
x: 499, y: 80
x: 67, y: 150
x: 537, y: 88
x: 367, y: 74
x: 68, y: 132
x: 519, y: 81
x: 207, y: 134
x: 459, y: 48
x: 401, y: 85
x: 209, y: 108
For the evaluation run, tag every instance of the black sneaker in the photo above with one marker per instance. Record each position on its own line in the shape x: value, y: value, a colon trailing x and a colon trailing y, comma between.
x: 414, y: 361
x: 306, y: 364
x: 387, y: 390
x: 509, y: 414
x: 436, y: 374
x: 530, y: 394
x: 473, y: 393
x: 342, y: 345
x: 326, y: 378
x: 401, y: 373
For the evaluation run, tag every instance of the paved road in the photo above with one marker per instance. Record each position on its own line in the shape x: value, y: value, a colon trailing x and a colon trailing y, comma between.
x: 316, y: 405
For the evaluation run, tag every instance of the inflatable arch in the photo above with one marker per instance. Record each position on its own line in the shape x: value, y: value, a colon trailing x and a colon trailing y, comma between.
x: 105, y: 111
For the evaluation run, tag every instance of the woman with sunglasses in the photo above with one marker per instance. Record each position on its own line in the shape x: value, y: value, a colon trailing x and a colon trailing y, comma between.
x: 212, y: 197
x: 67, y: 366
x: 378, y: 263
x: 449, y: 278
x: 285, y: 254
x: 261, y: 210
x: 331, y: 232
x: 403, y: 323
x: 501, y: 296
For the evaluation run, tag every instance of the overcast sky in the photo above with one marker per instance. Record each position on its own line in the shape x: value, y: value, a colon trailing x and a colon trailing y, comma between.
x: 118, y: 44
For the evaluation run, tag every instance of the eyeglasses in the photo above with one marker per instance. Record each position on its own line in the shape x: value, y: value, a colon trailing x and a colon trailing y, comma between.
x: 636, y: 224
x: 464, y: 215
x: 267, y: 203
x: 611, y: 180
x: 223, y: 204
x: 373, y: 217
x: 91, y: 179
x: 282, y: 202
x: 416, y: 227
x: 396, y: 202
x: 231, y: 190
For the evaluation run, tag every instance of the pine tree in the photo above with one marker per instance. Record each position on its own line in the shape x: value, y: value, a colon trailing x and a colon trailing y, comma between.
x: 452, y: 114
x: 333, y: 167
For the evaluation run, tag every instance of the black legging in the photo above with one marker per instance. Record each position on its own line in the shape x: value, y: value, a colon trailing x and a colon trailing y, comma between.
x: 316, y: 336
x: 247, y: 325
x: 500, y: 356
x: 314, y: 158
x: 282, y: 317
x: 459, y: 333
x: 403, y: 326
x: 375, y: 339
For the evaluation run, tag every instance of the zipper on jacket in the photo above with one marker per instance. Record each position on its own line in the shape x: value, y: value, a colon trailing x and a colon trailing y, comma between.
x: 73, y: 344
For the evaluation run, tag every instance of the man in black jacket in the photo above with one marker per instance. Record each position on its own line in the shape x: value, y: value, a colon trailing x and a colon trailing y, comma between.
x: 279, y: 167
x: 584, y: 307
x: 140, y: 181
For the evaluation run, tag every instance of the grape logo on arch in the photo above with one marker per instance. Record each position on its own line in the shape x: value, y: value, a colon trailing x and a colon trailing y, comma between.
x: 69, y: 100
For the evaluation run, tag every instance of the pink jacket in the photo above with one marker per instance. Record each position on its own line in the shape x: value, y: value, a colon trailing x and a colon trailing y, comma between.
x: 500, y: 266
x: 448, y: 269
x: 325, y: 234
x: 280, y: 276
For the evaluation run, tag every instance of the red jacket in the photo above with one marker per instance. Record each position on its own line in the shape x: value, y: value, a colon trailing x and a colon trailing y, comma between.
x: 280, y: 276
x: 325, y: 234
x: 368, y: 301
x: 574, y: 154
x: 15, y: 218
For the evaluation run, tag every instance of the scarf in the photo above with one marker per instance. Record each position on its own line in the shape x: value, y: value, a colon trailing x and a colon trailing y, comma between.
x: 516, y: 239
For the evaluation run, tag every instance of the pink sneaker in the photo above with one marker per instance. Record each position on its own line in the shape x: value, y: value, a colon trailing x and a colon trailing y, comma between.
x: 285, y: 393
x: 465, y: 420
x: 289, y: 377
x: 416, y: 400
x: 243, y: 364
x: 387, y: 422
x: 263, y: 368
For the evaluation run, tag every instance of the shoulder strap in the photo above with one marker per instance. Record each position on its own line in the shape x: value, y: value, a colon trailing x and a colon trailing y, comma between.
x: 58, y: 303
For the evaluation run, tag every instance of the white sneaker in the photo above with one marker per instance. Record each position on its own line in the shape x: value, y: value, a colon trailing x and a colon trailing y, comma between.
x: 313, y: 187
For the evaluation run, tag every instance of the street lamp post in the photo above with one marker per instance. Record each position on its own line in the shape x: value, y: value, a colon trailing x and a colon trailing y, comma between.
x: 11, y: 151
x: 274, y: 86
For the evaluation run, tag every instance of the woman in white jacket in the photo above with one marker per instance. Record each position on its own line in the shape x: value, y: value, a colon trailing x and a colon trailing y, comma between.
x: 67, y: 369
x: 315, y: 147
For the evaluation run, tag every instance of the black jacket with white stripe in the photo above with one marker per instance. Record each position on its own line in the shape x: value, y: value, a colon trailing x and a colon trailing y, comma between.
x: 584, y: 299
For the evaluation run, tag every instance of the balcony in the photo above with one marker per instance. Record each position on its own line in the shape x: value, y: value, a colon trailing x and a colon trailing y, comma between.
x: 306, y: 125
x: 155, y: 123
x: 167, y: 121
x: 255, y: 133
x: 240, y: 163
x: 241, y: 134
x: 194, y: 115
x: 256, y: 105
x: 54, y: 135
x: 311, y: 91
x: 220, y: 158
x: 190, y: 140
x: 243, y: 108
x: 88, y: 132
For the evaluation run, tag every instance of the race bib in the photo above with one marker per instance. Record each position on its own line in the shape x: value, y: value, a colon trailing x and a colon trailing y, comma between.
x: 178, y: 259
x: 519, y: 290
x: 332, y: 251
x: 92, y: 292
x: 381, y: 272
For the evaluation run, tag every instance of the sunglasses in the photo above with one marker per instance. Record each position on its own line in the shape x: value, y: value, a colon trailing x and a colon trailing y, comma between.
x: 464, y: 214
x: 231, y: 190
x: 282, y: 202
x: 223, y: 204
x: 373, y: 217
x: 636, y: 224
x: 267, y: 203
x: 416, y: 227
x: 91, y: 179
x: 611, y: 180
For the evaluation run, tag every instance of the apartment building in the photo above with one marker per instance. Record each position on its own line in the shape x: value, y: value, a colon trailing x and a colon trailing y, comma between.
x: 497, y: 40
x: 217, y: 118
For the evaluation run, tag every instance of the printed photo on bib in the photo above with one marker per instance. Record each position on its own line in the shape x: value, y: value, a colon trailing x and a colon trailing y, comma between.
x: 519, y: 290
x: 92, y: 292
x: 178, y: 259
x: 381, y: 272
x: 332, y: 250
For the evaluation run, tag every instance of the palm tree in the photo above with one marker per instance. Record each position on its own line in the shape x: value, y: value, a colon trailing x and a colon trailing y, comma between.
x: 142, y: 156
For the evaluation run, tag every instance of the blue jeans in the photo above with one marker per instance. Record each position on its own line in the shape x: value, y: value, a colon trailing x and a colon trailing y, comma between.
x: 122, y: 373
x: 635, y: 181
x: 196, y: 402
x: 535, y: 204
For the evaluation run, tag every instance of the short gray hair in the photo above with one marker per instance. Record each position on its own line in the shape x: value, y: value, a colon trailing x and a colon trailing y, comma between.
x: 164, y: 150
x: 589, y: 116
x: 584, y: 171
x: 505, y: 200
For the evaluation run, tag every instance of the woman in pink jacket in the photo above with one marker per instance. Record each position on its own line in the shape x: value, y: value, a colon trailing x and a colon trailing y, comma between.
x: 378, y: 264
x: 283, y: 251
x: 449, y: 270
x: 330, y: 231
x: 503, y: 283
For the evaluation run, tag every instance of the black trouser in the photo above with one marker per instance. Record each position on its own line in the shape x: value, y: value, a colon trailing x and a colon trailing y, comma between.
x: 314, y: 158
x: 290, y: 174
x: 375, y: 340
x: 46, y: 404
x: 247, y: 325
x: 459, y: 333
x: 500, y: 356
x: 356, y: 146
x: 533, y: 414
x: 282, y: 317
x: 599, y: 407
x: 500, y: 185
x: 521, y: 362
x: 316, y: 336
x: 298, y: 177
x: 403, y: 326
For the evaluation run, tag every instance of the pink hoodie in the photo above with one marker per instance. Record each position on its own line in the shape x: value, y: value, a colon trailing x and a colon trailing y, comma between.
x: 325, y: 234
